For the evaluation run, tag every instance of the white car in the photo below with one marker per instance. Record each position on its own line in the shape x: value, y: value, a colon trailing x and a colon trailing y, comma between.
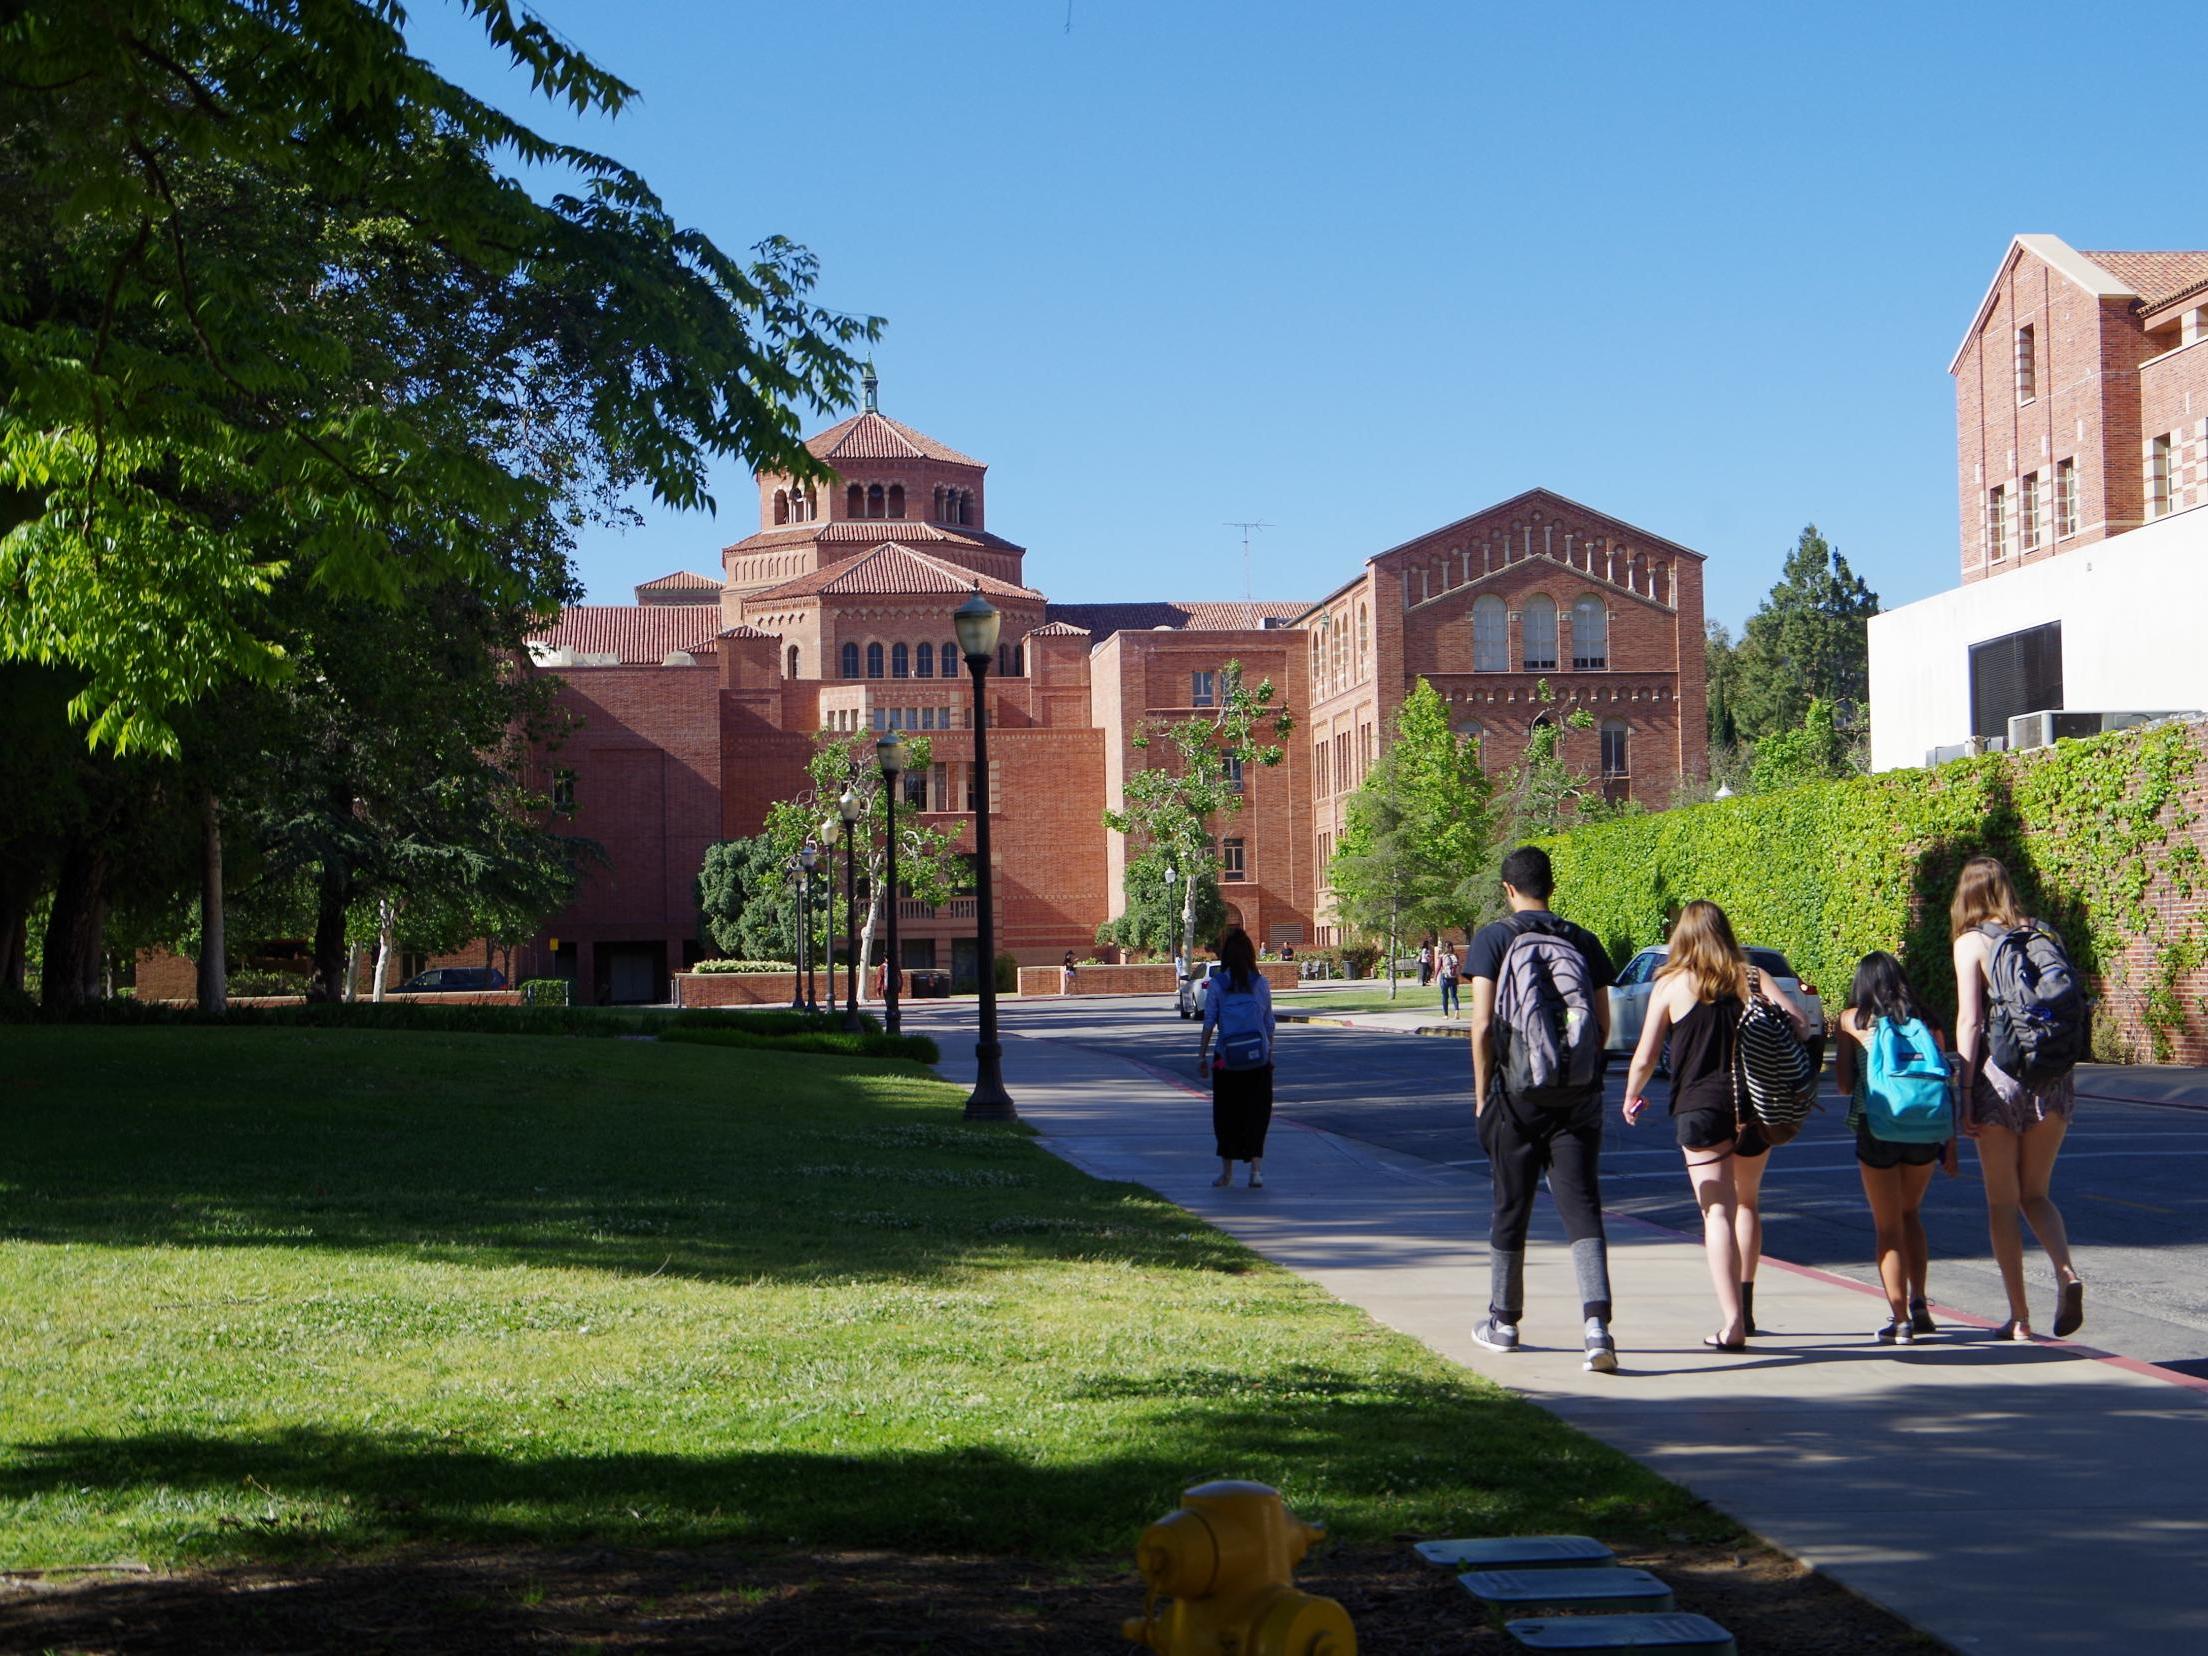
x: 1629, y: 994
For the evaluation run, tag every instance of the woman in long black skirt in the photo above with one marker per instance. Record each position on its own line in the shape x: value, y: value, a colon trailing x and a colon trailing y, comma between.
x: 1238, y: 1010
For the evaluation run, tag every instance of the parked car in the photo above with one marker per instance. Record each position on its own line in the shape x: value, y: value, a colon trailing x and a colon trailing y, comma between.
x: 1629, y: 994
x: 1192, y: 991
x: 927, y: 984
x: 448, y: 979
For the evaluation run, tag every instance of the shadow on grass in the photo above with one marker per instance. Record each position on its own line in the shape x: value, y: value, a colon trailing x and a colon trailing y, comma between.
x: 623, y: 1157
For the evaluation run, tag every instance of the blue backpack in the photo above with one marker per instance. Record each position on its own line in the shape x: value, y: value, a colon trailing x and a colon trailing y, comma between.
x: 1243, y: 1044
x: 1905, y: 1085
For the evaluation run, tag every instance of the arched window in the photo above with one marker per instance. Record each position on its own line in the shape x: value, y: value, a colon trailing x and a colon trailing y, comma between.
x: 1537, y: 623
x: 1364, y: 641
x: 874, y: 501
x: 850, y: 661
x: 1590, y: 635
x: 873, y: 661
x: 1490, y: 636
x: 924, y: 664
x: 802, y: 504
x: 1004, y: 661
x: 1614, y: 748
x: 896, y: 500
x: 1019, y: 661
x: 965, y: 506
x: 854, y: 502
x: 1464, y: 724
x: 781, y: 506
x: 939, y: 503
x: 900, y: 661
x: 792, y: 673
x: 950, y: 659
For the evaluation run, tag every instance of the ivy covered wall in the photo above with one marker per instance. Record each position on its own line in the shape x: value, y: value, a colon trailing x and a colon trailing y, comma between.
x: 2104, y: 838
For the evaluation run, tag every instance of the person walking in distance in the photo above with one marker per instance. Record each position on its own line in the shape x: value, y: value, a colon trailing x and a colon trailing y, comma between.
x: 2020, y: 1024
x: 1539, y: 1023
x: 1445, y: 968
x: 1891, y: 1064
x: 1700, y: 994
x: 1238, y: 1009
x: 1425, y: 963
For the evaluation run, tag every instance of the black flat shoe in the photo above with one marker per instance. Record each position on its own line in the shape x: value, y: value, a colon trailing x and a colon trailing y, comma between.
x: 2070, y: 1315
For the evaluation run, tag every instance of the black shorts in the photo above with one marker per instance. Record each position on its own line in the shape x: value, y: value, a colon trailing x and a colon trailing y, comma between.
x: 1713, y: 1128
x: 1884, y: 1153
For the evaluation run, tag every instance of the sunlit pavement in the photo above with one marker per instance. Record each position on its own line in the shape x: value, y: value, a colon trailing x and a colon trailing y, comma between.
x: 2004, y: 1498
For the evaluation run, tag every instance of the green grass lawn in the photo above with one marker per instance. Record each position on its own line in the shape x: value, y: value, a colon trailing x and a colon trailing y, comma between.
x: 268, y: 1292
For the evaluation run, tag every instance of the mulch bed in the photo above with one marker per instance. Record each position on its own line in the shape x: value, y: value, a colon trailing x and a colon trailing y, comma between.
x: 462, y: 1602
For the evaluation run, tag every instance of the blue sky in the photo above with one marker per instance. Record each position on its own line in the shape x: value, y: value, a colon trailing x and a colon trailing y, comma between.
x: 1361, y: 270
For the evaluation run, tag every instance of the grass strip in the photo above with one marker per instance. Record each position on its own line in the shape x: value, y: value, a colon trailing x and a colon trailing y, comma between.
x: 267, y: 1292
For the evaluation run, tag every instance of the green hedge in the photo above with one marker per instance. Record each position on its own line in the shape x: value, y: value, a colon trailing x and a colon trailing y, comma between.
x: 742, y: 966
x: 1831, y: 870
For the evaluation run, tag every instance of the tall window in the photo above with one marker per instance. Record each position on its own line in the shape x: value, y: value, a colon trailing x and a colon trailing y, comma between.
x: 1200, y: 690
x: 950, y: 655
x: 1318, y: 769
x: 1230, y: 861
x: 900, y: 661
x: 2027, y: 365
x: 2027, y: 503
x: 1538, y: 621
x: 1490, y: 636
x: 896, y: 500
x: 923, y: 665
x: 1364, y: 642
x: 874, y: 501
x: 2066, y: 497
x: 1590, y: 635
x: 781, y: 506
x: 563, y: 792
x: 1234, y: 771
x: 873, y: 661
x: 850, y: 661
x: 1997, y: 522
x: 1613, y: 748
x: 854, y: 502
x: 792, y: 673
x: 2161, y: 485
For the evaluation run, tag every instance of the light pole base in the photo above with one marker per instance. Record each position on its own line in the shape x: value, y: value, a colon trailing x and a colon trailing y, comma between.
x: 989, y: 1101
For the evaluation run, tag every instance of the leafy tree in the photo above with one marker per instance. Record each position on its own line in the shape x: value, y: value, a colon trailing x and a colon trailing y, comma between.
x: 274, y: 304
x: 1173, y: 808
x: 1152, y: 920
x: 1815, y: 752
x: 1721, y: 667
x: 1546, y: 792
x: 745, y: 899
x: 1810, y: 638
x: 1418, y: 837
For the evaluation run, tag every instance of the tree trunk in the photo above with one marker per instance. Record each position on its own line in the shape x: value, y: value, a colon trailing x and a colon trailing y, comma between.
x: 387, y: 923
x: 19, y: 883
x: 71, y: 970
x: 214, y: 964
x: 328, y: 983
x: 352, y: 973
x: 1392, y: 916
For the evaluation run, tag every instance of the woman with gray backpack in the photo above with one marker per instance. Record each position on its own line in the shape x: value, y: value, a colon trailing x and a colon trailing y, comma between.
x: 1238, y: 1009
x: 1891, y: 1064
x: 2021, y: 1023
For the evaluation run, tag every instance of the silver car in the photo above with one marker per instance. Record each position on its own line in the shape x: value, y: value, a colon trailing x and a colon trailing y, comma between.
x: 1629, y: 994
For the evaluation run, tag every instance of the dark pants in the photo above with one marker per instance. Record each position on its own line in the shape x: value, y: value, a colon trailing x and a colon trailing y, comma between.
x: 1521, y: 1145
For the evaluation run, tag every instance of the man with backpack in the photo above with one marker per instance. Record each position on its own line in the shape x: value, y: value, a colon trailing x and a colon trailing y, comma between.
x: 1540, y: 1024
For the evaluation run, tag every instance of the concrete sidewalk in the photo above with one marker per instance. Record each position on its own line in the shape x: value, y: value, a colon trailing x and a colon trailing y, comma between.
x: 2002, y: 1498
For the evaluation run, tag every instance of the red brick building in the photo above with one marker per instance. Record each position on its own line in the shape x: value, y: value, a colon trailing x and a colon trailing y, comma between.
x: 699, y: 704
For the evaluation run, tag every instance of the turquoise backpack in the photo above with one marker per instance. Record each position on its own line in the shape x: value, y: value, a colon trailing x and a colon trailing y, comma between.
x: 1905, y: 1086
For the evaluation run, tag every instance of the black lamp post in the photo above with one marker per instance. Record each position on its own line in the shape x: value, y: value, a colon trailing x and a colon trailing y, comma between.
x: 797, y: 936
x: 848, y: 809
x: 892, y: 754
x: 977, y: 623
x: 807, y: 856
x: 831, y: 827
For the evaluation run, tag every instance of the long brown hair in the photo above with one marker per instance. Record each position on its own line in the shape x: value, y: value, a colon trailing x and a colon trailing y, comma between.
x: 1239, y: 956
x: 1704, y: 948
x: 1983, y: 892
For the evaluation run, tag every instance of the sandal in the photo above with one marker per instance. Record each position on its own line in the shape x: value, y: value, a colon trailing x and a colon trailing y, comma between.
x: 2070, y: 1315
x: 2014, y: 1330
x: 1717, y: 1343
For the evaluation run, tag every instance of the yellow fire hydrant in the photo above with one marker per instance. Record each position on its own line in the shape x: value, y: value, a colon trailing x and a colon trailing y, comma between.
x: 1226, y: 1561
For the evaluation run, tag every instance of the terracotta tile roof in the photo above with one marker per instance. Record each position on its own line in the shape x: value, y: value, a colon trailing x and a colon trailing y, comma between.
x: 875, y: 436
x: 2156, y: 277
x: 1058, y: 629
x: 843, y: 531
x: 891, y: 568
x: 636, y: 634
x: 745, y: 630
x: 681, y: 587
x: 1105, y: 619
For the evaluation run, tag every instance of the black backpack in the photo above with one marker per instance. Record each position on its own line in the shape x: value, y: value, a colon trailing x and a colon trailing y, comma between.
x: 1774, y: 1074
x: 2039, y: 1023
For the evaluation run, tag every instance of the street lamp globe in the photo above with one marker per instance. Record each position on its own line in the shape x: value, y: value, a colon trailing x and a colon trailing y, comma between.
x: 977, y: 623
x: 892, y: 754
x: 808, y: 854
x: 848, y: 807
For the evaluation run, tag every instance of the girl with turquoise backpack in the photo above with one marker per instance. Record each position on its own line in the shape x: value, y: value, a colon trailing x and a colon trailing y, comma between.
x: 1894, y: 1066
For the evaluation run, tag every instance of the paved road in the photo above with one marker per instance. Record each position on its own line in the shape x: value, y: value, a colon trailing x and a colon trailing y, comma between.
x: 2132, y: 1182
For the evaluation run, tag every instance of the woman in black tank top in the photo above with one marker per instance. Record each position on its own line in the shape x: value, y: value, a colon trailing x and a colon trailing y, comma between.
x: 1699, y: 998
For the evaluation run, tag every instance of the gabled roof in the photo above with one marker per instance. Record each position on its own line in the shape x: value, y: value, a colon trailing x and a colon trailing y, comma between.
x: 1058, y: 629
x: 1103, y: 620
x: 873, y: 435
x: 633, y: 634
x: 2074, y: 267
x: 843, y: 531
x: 744, y: 630
x: 2157, y: 278
x: 890, y: 569
x: 682, y: 580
